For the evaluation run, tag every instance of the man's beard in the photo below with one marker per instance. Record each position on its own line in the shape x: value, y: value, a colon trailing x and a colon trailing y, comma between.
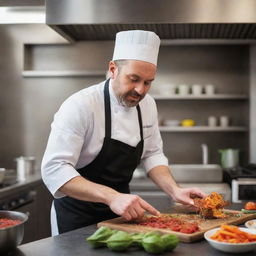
x: 122, y: 98
x: 124, y: 101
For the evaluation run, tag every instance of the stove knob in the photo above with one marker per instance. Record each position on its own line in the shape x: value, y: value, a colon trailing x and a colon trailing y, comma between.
x: 5, y: 207
x: 21, y: 201
x: 13, y: 204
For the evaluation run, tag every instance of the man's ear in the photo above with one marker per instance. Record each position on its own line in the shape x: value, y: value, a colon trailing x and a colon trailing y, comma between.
x: 112, y: 70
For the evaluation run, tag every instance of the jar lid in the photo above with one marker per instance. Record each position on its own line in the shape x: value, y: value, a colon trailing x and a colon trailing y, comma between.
x: 25, y: 158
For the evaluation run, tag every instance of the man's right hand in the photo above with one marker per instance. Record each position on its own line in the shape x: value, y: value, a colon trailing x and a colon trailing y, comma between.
x: 130, y: 206
x: 126, y: 205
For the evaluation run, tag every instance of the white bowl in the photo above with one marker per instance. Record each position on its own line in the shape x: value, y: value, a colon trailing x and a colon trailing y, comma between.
x: 251, y: 224
x: 230, y: 247
x: 171, y: 122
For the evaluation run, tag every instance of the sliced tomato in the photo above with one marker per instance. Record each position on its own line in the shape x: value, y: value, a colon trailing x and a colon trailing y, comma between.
x: 175, y: 224
x: 250, y: 206
x: 189, y: 229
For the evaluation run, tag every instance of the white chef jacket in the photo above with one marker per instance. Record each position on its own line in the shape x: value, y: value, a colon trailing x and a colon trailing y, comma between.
x: 78, y: 131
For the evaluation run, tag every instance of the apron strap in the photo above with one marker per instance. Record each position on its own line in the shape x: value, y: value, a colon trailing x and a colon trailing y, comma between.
x: 107, y: 110
x: 108, y: 113
x: 140, y: 121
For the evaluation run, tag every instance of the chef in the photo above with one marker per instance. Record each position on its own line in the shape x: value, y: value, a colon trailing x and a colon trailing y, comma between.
x: 101, y: 134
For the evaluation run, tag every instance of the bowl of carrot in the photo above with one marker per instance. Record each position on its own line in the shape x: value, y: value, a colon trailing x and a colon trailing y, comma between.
x: 230, y: 238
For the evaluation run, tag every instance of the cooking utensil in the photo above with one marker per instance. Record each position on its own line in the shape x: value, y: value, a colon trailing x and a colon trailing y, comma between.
x: 229, y: 157
x: 2, y: 173
x: 12, y: 236
x: 25, y: 166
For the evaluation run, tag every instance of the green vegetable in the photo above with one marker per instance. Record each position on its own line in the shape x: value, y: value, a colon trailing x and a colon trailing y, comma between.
x: 98, y: 238
x: 137, y: 239
x: 153, y: 243
x: 119, y: 241
x: 151, y: 233
x: 248, y: 211
x: 170, y: 241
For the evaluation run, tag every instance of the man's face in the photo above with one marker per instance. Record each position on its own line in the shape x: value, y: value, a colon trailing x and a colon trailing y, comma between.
x: 132, y: 81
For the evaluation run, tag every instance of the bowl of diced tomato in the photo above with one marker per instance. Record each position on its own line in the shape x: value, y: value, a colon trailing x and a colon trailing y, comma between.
x: 11, y: 229
x: 231, y: 239
x: 250, y: 206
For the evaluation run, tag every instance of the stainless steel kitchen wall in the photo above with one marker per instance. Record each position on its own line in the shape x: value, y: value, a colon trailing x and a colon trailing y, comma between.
x: 27, y: 104
x: 25, y: 108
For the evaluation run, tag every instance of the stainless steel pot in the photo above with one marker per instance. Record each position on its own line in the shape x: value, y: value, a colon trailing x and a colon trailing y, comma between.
x: 11, y: 237
x: 229, y: 157
x: 25, y: 166
x: 2, y: 173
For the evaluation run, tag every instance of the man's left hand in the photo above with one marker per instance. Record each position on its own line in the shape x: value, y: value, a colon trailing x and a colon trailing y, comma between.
x: 186, y: 195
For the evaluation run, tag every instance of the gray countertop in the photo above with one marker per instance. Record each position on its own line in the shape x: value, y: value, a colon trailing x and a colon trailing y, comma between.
x: 73, y: 243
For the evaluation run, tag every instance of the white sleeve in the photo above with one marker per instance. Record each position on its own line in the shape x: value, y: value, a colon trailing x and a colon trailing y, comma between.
x: 64, y: 146
x: 153, y: 145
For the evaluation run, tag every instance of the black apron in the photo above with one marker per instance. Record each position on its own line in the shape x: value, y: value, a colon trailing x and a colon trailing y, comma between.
x: 113, y: 167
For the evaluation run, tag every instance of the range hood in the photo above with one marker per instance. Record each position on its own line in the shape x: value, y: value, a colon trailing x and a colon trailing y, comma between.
x: 78, y: 20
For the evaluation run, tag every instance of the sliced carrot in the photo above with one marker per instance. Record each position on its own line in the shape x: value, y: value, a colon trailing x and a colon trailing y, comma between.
x: 232, y: 234
x: 228, y: 233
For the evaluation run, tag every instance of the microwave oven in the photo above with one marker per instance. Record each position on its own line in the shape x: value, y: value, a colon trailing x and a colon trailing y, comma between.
x: 243, y: 189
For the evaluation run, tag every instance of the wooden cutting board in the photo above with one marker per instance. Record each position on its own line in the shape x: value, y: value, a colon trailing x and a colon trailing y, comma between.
x: 204, y: 225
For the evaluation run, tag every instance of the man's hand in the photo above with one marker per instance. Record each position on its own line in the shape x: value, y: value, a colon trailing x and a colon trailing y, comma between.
x: 186, y: 195
x: 130, y: 206
x: 125, y: 205
x: 161, y: 175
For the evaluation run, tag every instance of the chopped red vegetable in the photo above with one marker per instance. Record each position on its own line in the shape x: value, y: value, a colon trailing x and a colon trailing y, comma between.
x: 4, y: 222
x: 168, y: 222
x: 250, y: 206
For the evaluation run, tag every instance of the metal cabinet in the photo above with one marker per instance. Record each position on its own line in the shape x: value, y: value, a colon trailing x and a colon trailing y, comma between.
x: 43, y: 208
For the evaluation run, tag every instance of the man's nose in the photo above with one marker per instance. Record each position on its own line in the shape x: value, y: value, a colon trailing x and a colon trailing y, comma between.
x: 140, y: 88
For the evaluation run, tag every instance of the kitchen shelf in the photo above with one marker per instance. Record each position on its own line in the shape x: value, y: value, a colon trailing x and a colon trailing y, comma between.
x: 62, y: 73
x: 202, y: 129
x: 202, y: 97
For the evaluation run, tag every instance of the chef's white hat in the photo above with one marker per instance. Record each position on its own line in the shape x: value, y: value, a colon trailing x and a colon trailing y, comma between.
x: 137, y: 45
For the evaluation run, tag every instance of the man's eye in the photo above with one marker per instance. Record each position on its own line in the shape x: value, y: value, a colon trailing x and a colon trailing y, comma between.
x: 147, y: 83
x: 134, y: 80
